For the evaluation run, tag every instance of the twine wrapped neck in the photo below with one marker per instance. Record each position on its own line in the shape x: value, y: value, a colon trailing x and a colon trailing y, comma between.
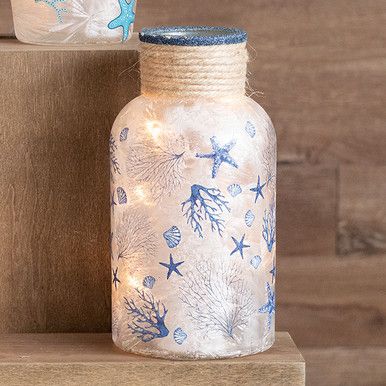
x: 193, y: 71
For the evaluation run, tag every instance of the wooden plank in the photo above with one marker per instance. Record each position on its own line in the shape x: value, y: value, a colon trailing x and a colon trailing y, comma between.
x: 330, y: 301
x: 307, y: 201
x: 362, y: 209
x: 91, y: 359
x: 56, y: 111
x: 337, y: 366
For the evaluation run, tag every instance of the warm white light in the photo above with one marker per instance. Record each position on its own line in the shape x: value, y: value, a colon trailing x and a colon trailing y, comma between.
x: 154, y: 128
x: 140, y: 193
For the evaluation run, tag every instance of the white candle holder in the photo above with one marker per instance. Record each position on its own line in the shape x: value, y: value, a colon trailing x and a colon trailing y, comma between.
x: 73, y: 21
x: 193, y: 187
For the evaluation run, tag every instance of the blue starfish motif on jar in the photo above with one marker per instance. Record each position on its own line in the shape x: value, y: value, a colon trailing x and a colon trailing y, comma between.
x: 219, y: 155
x: 258, y: 189
x: 239, y: 246
x: 125, y: 19
x: 115, y: 278
x: 172, y: 267
x: 269, y: 307
x: 54, y: 5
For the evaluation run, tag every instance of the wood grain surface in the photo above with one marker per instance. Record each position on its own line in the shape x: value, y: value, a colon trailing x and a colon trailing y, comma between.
x: 56, y: 111
x: 345, y: 366
x: 91, y: 359
x: 330, y: 301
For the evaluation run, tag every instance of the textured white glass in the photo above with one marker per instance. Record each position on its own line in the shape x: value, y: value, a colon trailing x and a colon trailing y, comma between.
x: 73, y: 21
x: 193, y: 237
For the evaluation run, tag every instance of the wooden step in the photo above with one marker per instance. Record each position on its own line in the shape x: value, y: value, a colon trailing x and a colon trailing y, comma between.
x: 92, y: 359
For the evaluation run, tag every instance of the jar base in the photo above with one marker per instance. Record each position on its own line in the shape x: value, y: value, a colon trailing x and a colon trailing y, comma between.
x: 190, y: 356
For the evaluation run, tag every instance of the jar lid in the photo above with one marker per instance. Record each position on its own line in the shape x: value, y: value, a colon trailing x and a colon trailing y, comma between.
x: 192, y: 35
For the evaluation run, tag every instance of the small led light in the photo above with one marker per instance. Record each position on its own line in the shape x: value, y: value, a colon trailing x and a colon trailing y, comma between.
x: 154, y: 128
x: 138, y: 190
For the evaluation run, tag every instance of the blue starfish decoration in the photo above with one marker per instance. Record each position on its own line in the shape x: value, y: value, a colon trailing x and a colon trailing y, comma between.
x: 269, y: 307
x: 239, y: 246
x: 219, y: 155
x: 258, y: 189
x: 172, y: 267
x: 273, y: 271
x: 125, y: 19
x: 115, y: 278
x: 58, y: 10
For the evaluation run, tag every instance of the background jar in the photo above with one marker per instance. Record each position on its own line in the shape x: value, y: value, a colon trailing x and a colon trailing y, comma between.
x: 193, y: 196
x: 73, y: 21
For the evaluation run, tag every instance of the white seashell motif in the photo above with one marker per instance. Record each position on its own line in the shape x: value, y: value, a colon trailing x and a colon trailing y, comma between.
x: 123, y: 135
x: 179, y: 335
x: 249, y: 218
x: 255, y: 261
x: 149, y: 282
x: 250, y: 129
x: 122, y: 197
x: 234, y: 190
x: 172, y: 237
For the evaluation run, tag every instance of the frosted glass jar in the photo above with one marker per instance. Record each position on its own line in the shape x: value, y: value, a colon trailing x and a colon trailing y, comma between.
x: 73, y: 21
x: 193, y: 224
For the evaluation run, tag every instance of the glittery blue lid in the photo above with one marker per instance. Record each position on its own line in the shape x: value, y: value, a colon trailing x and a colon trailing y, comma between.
x: 192, y: 36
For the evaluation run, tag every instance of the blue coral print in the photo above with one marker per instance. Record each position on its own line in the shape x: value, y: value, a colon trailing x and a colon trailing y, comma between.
x: 205, y: 204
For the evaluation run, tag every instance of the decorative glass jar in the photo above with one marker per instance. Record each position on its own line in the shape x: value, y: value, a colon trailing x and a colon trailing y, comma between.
x: 193, y: 184
x: 73, y: 21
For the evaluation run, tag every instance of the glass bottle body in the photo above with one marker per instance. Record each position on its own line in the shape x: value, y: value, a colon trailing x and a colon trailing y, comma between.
x: 193, y: 237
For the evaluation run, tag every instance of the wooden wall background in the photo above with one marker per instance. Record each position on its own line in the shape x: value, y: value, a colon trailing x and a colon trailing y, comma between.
x: 319, y: 69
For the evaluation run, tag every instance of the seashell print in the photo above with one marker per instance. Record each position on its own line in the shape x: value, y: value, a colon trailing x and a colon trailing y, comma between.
x: 172, y: 237
x: 250, y: 129
x: 249, y: 218
x: 179, y: 335
x: 123, y: 135
x: 122, y: 197
x: 149, y: 282
x: 255, y: 261
x: 234, y: 190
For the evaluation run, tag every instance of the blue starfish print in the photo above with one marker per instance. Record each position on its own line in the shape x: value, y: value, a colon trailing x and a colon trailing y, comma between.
x: 115, y: 278
x: 258, y: 189
x: 239, y: 246
x: 219, y: 155
x: 125, y: 19
x: 58, y: 10
x: 269, y: 307
x: 273, y: 271
x: 172, y: 267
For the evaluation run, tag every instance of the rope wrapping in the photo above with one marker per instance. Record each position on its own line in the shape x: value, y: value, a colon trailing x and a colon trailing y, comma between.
x: 193, y: 71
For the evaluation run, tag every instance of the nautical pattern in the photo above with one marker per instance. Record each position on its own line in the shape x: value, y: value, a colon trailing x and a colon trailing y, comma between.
x: 125, y: 19
x: 205, y: 204
x: 249, y: 218
x: 148, y: 282
x: 219, y: 155
x: 255, y: 261
x: 234, y: 190
x: 172, y: 237
x: 239, y: 246
x: 172, y: 267
x: 179, y: 336
x: 269, y: 307
x: 258, y: 189
x: 123, y: 134
x: 250, y: 129
x: 122, y: 197
x: 54, y: 4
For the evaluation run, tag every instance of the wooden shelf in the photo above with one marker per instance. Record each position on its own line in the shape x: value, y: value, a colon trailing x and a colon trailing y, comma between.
x: 12, y: 44
x: 92, y: 359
